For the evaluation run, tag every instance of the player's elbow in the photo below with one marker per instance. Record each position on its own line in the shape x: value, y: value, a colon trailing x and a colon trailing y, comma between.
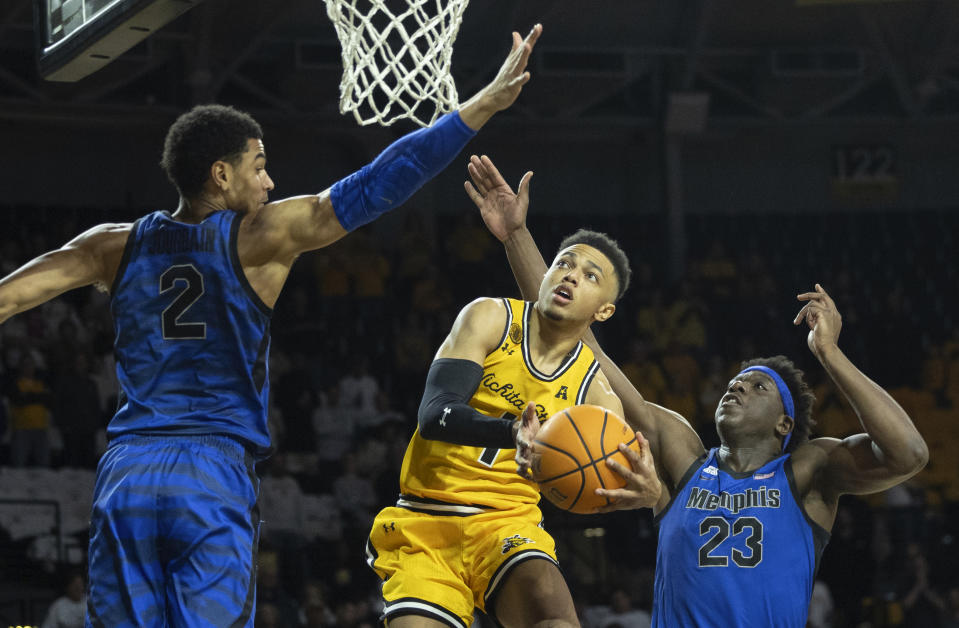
x: 428, y: 418
x: 911, y: 457
x: 428, y: 429
x: 7, y: 309
x: 919, y: 454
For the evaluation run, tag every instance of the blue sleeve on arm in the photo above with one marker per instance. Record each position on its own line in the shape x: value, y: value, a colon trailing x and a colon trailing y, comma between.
x: 399, y: 171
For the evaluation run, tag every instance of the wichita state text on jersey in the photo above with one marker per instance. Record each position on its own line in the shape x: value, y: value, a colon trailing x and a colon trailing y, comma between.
x: 457, y: 479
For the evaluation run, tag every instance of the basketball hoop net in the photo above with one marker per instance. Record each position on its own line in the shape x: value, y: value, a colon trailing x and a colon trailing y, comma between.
x: 396, y: 62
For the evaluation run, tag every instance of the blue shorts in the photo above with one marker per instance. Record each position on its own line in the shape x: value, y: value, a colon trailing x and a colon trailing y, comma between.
x: 173, y: 533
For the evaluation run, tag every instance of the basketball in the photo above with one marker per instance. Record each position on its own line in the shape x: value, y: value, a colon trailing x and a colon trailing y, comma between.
x: 569, y: 456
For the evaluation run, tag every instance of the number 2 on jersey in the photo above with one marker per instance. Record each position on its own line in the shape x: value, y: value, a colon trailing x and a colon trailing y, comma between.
x: 190, y: 282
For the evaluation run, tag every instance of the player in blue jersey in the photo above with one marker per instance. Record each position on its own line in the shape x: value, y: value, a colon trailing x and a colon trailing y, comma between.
x: 174, y: 525
x: 741, y: 527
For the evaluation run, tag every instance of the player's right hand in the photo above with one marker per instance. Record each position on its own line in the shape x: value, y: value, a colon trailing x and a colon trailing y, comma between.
x: 503, y: 210
x: 823, y: 319
x: 643, y: 488
x: 525, y: 432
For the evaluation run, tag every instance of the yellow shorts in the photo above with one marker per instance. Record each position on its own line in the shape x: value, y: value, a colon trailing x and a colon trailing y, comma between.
x: 442, y: 565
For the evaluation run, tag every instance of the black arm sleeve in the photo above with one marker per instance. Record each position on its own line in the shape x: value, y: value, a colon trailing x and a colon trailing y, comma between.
x: 445, y: 415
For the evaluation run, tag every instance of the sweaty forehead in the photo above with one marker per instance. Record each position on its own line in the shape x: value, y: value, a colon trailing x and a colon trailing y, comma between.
x: 584, y: 253
x: 753, y: 376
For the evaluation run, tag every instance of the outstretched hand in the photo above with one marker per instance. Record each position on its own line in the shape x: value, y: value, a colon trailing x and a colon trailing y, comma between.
x: 643, y: 488
x: 526, y: 429
x: 823, y: 318
x: 503, y: 210
x: 504, y: 89
x: 512, y: 75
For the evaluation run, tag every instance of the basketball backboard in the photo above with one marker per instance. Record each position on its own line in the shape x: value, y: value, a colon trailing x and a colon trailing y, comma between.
x: 78, y: 37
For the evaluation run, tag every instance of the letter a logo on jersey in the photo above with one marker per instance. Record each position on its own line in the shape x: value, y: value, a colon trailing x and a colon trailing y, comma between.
x: 563, y: 390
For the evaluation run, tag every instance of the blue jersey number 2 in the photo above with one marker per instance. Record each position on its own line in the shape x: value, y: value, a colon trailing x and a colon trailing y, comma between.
x: 190, y: 283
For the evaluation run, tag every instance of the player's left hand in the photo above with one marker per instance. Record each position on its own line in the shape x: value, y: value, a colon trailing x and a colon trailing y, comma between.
x: 512, y: 75
x: 525, y: 432
x: 823, y: 318
x: 643, y: 488
x: 503, y: 210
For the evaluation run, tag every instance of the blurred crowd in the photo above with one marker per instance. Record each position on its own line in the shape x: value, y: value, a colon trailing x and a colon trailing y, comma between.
x: 357, y: 326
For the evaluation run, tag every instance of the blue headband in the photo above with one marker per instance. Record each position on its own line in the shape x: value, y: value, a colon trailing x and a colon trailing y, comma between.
x: 783, y: 393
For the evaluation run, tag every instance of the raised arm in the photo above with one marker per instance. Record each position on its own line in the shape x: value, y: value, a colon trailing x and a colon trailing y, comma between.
x: 90, y: 258
x: 891, y: 449
x: 444, y: 412
x: 504, y: 213
x: 288, y: 228
x: 673, y: 441
x: 675, y: 445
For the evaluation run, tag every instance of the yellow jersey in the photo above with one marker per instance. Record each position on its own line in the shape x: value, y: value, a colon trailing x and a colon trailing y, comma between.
x: 457, y: 479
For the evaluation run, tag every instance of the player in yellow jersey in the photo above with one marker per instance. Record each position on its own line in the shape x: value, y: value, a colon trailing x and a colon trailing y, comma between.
x: 466, y: 531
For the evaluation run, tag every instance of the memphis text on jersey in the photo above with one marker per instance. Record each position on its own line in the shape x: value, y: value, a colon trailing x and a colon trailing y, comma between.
x: 704, y: 499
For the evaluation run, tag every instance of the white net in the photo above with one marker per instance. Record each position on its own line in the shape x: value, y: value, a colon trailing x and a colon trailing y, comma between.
x: 396, y: 58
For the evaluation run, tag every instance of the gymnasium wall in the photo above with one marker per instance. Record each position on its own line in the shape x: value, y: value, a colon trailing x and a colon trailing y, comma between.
x: 112, y: 162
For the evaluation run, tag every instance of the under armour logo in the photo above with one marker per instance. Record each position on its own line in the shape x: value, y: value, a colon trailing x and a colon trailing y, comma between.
x: 446, y: 412
x: 505, y: 348
x: 389, y: 527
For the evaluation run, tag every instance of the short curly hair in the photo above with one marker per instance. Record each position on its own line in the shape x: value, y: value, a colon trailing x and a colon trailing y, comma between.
x: 608, y: 247
x: 803, y: 398
x: 201, y: 136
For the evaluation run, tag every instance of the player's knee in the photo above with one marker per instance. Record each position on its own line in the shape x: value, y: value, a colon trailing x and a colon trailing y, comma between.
x: 540, y: 580
x: 542, y: 591
x: 536, y: 595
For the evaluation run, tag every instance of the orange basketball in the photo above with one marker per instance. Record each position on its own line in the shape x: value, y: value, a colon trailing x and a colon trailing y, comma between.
x: 569, y: 456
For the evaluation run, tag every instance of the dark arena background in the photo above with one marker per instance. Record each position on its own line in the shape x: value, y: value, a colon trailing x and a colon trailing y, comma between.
x: 739, y: 151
